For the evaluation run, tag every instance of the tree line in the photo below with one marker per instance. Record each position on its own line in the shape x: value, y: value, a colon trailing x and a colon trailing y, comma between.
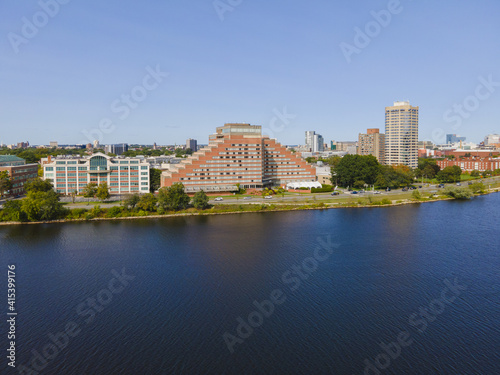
x: 361, y: 170
x: 42, y: 203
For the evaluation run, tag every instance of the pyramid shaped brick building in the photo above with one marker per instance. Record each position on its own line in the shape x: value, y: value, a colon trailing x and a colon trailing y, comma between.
x: 239, y: 154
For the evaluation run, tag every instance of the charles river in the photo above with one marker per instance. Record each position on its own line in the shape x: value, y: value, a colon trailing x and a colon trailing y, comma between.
x: 398, y: 290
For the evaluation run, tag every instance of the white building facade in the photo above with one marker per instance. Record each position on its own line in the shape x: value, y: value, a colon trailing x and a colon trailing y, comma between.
x: 123, y: 175
x: 401, y: 134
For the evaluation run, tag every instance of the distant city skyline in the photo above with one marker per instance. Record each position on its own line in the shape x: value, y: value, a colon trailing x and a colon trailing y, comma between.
x: 172, y: 71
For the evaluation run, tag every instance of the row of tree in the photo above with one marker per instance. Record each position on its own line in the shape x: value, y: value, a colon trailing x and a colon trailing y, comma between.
x: 41, y: 204
x: 360, y: 170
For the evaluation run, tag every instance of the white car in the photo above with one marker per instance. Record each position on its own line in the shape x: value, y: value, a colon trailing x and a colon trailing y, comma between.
x: 218, y: 199
x: 377, y: 192
x: 268, y: 197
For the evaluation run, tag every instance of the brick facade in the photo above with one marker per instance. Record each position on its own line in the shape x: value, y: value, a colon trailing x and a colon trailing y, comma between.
x: 239, y: 154
x: 471, y: 164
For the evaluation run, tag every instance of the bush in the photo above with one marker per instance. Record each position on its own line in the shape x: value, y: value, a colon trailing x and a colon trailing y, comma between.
x: 386, y: 201
x: 77, y: 213
x: 324, y: 189
x: 114, y: 211
x: 458, y: 192
x: 416, y: 195
x: 478, y: 188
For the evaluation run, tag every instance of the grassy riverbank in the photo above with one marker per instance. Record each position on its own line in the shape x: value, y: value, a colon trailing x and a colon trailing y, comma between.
x: 121, y: 213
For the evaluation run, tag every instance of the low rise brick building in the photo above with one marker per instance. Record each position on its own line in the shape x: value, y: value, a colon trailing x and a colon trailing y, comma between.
x: 471, y: 164
x: 19, y: 172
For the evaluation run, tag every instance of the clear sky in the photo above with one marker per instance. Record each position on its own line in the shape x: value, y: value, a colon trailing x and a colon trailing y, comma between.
x: 65, y: 74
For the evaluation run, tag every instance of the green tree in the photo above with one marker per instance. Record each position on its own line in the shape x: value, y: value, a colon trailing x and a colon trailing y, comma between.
x: 173, y: 198
x: 333, y: 160
x: 394, y: 176
x: 416, y: 195
x: 90, y: 190
x: 359, y: 184
x: 354, y: 168
x: 449, y: 174
x: 154, y: 179
x: 427, y: 168
x: 12, y: 211
x: 131, y: 201
x: 477, y: 188
x: 147, y: 202
x: 458, y: 192
x: 475, y: 173
x: 103, y: 191
x: 200, y: 200
x: 487, y: 173
x: 42, y: 206
x: 37, y: 185
x: 5, y: 183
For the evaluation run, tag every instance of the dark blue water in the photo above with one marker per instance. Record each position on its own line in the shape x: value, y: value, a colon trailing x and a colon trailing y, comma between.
x: 193, y: 277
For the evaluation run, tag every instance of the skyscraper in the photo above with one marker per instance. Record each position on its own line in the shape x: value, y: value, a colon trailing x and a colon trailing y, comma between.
x: 453, y: 138
x: 314, y: 142
x: 401, y: 134
x: 192, y: 144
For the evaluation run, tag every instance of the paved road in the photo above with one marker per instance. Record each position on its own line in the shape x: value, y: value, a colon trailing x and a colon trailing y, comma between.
x: 301, y: 198
x: 296, y: 198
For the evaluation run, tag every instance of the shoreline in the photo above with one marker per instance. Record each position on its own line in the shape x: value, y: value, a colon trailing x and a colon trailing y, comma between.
x: 300, y: 207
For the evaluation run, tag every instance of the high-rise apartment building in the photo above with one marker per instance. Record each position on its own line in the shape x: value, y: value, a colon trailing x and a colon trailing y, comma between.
x: 372, y: 143
x: 401, y: 134
x: 192, y: 144
x: 314, y: 142
x: 239, y: 154
x: 453, y: 138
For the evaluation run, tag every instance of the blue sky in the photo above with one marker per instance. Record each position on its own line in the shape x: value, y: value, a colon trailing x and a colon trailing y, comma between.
x: 277, y: 64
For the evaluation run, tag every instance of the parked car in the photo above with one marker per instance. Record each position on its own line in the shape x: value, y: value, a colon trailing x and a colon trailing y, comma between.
x: 388, y: 189
x: 268, y: 197
x: 377, y: 192
x: 420, y: 186
x: 441, y: 185
x: 247, y: 198
x: 459, y: 184
x: 354, y: 192
x: 404, y: 189
x: 335, y: 193
x: 470, y: 183
x: 218, y: 199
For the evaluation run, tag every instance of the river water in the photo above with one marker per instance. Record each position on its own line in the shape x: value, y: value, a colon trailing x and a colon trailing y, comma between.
x: 397, y: 290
